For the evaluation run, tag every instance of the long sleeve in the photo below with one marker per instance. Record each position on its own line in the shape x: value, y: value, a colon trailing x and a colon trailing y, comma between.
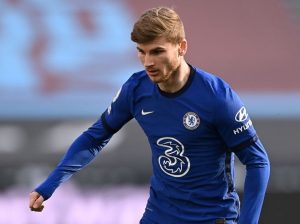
x: 257, y: 175
x: 81, y: 152
x: 88, y: 145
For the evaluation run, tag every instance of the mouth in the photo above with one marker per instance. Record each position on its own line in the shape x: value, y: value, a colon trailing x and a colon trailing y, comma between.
x: 152, y: 72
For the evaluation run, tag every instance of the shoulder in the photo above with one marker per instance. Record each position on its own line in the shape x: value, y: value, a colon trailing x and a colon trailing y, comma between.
x: 218, y: 93
x: 215, y: 89
x: 212, y: 83
x: 137, y: 79
x: 137, y: 85
x: 138, y: 76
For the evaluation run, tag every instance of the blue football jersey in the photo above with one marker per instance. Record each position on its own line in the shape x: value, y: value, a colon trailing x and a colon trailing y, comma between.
x: 192, y: 134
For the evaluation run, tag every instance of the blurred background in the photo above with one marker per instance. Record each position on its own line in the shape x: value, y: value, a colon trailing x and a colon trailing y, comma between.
x: 61, y: 63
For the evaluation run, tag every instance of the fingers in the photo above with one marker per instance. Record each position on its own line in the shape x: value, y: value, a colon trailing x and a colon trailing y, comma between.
x: 36, y: 202
x: 39, y: 209
x: 33, y: 196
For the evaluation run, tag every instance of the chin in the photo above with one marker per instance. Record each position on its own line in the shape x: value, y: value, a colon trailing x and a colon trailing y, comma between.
x: 156, y: 81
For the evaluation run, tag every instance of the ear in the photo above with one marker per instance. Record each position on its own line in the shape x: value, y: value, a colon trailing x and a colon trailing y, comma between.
x: 182, y: 47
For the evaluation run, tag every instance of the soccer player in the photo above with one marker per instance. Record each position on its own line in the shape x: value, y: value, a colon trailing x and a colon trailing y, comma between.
x: 195, y: 123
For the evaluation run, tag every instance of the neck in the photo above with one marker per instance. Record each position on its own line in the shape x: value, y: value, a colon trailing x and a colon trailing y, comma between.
x: 177, y: 80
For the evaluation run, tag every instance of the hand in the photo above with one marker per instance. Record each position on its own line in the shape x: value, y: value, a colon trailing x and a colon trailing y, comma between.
x: 36, y: 202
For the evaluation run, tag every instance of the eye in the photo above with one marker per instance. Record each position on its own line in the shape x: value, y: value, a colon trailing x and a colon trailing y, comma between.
x: 140, y: 51
x: 157, y: 51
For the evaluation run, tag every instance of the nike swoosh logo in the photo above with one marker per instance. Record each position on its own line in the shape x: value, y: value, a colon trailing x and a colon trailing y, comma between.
x: 146, y: 112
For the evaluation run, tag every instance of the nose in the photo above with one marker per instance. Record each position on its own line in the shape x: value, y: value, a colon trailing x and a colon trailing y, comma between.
x: 148, y: 60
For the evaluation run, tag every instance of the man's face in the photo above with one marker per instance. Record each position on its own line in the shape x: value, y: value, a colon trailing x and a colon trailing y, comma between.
x: 160, y: 59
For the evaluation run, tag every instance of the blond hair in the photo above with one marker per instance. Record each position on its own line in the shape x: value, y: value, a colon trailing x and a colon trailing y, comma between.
x: 158, y: 22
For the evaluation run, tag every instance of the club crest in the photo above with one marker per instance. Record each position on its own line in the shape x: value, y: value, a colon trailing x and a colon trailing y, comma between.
x: 191, y: 120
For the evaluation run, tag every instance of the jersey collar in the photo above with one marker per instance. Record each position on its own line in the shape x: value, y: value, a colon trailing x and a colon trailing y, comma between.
x: 183, y: 89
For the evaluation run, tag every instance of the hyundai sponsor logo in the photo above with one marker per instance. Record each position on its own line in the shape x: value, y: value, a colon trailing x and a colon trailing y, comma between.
x: 241, y: 115
x: 242, y: 128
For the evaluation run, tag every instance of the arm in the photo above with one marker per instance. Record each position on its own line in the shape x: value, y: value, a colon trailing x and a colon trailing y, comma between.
x: 237, y: 131
x: 257, y: 175
x: 81, y: 152
x: 86, y: 146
